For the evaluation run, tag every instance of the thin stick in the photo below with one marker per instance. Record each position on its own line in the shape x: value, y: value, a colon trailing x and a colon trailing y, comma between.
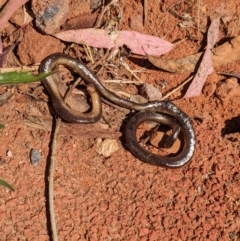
x: 100, y: 18
x: 51, y: 180
x: 31, y: 95
x: 71, y: 89
x: 121, y: 81
x: 177, y: 88
x: 127, y: 68
x: 122, y: 93
x: 145, y: 10
x: 101, y: 60
x: 198, y: 18
x: 52, y: 168
x: 88, y: 53
x: 23, y: 68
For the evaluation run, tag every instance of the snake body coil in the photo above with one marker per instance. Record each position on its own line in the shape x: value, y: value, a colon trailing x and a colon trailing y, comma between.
x: 164, y: 112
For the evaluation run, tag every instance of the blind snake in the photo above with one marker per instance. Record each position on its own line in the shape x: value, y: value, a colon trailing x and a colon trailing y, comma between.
x: 61, y: 108
x: 165, y: 161
x: 164, y: 112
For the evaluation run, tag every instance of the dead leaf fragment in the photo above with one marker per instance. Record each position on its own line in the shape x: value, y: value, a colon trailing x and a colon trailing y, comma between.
x: 204, y: 70
x: 205, y: 67
x: 5, y: 97
x: 4, y: 55
x: 81, y: 21
x: 236, y: 75
x: 222, y: 55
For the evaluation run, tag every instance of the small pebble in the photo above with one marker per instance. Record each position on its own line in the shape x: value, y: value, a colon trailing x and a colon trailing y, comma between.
x: 35, y: 157
x: 9, y: 153
x: 94, y: 4
x: 106, y: 147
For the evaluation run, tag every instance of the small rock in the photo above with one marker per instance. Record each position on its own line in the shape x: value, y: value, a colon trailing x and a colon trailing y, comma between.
x: 50, y: 15
x: 94, y: 4
x: 9, y: 153
x: 35, y: 157
x: 106, y: 147
x: 34, y: 46
x: 228, y: 90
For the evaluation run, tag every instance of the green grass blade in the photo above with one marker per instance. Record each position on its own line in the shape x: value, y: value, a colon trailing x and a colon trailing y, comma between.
x: 17, y: 77
x: 5, y: 184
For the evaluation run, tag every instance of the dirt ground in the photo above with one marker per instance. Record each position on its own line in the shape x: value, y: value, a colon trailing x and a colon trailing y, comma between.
x: 120, y: 197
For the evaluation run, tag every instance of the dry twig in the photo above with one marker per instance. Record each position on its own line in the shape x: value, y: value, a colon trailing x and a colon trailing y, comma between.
x: 88, y: 53
x: 52, y: 165
x: 177, y: 88
x: 145, y: 9
x: 22, y: 68
x: 125, y: 65
x: 100, y: 18
x: 51, y: 180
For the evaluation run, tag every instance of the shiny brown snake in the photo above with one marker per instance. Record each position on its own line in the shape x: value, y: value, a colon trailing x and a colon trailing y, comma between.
x: 163, y: 112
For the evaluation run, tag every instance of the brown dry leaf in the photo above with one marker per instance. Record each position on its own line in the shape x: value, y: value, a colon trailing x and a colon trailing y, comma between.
x: 81, y: 21
x: 236, y: 75
x: 4, y: 55
x: 222, y: 55
x: 5, y: 97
